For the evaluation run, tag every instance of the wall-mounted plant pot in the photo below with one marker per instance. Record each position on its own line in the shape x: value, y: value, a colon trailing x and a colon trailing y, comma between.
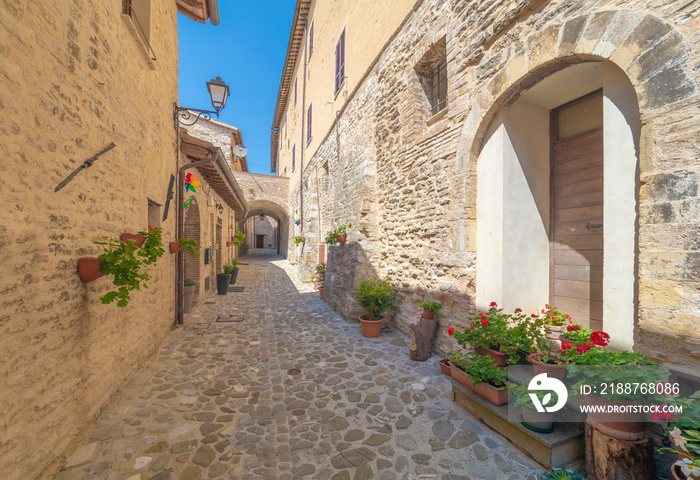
x: 223, y: 280
x: 500, y: 358
x: 189, y: 295
x: 371, y: 328
x: 303, y: 239
x: 138, y: 239
x: 234, y: 275
x: 89, y: 269
x: 228, y: 244
x: 175, y: 247
x: 445, y: 367
x: 341, y: 239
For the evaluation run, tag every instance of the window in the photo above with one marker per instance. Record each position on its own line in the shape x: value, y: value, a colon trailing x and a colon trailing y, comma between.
x: 340, y: 62
x: 439, y: 88
x: 432, y: 73
x: 137, y: 15
x: 295, y: 92
x: 153, y: 214
x: 308, y: 125
x: 311, y: 38
x: 294, y: 157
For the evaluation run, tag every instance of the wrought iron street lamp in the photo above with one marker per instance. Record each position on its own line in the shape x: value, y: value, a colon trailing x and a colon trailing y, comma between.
x: 218, y: 91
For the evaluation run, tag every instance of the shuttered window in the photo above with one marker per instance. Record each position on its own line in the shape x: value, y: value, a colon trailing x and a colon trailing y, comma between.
x: 308, y: 125
x: 311, y: 38
x: 294, y: 157
x: 340, y: 62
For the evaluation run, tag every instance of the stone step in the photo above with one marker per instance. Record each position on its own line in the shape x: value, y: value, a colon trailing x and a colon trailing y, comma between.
x: 564, y: 446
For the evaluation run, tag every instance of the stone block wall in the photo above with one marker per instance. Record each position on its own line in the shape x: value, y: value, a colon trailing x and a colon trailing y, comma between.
x: 74, y: 79
x: 408, y: 182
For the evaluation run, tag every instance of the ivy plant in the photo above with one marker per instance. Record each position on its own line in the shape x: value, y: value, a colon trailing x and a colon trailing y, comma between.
x: 126, y: 267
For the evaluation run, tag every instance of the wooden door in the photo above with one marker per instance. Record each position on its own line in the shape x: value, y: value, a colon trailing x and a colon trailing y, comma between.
x: 259, y: 241
x: 577, y: 226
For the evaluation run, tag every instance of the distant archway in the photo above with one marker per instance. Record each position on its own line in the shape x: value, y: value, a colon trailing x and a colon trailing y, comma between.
x: 277, y: 212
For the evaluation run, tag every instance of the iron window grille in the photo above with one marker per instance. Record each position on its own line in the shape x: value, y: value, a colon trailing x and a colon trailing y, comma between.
x: 340, y: 62
x: 294, y: 157
x: 308, y: 125
x: 438, y: 100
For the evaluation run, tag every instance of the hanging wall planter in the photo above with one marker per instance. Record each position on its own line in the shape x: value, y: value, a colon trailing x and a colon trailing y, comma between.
x: 175, y: 247
x: 341, y: 239
x: 228, y: 244
x: 89, y: 269
x: 138, y: 239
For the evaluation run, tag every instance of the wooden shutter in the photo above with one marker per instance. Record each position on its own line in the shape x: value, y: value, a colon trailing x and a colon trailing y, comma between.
x: 311, y: 38
x: 340, y: 62
x: 294, y: 157
x: 308, y: 126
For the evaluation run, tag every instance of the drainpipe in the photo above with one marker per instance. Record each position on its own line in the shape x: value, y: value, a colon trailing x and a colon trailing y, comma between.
x: 303, y: 116
x: 181, y: 230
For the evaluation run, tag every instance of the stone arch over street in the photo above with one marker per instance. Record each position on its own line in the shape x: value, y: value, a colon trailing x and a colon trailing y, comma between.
x: 640, y: 61
x: 277, y: 212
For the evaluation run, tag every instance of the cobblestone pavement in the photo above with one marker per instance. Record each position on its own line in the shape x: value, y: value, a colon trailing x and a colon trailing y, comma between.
x: 292, y: 391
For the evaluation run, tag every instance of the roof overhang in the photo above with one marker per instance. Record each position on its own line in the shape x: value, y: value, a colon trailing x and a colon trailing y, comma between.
x: 296, y: 39
x: 199, y: 10
x: 217, y: 174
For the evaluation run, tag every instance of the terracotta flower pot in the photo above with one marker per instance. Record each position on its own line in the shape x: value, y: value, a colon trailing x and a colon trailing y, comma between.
x: 228, y: 244
x: 341, y: 239
x: 89, y: 269
x: 428, y: 314
x: 445, y: 367
x: 552, y: 370
x: 500, y: 358
x: 624, y: 426
x: 492, y: 394
x: 175, y: 247
x: 371, y: 328
x: 303, y: 239
x: 679, y: 475
x: 138, y: 239
x: 320, y: 292
x: 540, y: 422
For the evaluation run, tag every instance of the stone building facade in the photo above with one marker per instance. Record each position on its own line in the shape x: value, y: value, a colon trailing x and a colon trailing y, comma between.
x: 76, y: 76
x: 223, y: 136
x: 455, y: 203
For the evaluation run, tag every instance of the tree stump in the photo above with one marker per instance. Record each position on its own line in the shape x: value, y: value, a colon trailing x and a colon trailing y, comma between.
x: 610, y: 458
x: 424, y: 332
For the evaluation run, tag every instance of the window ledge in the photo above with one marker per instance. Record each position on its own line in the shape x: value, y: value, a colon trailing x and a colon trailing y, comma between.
x: 438, y: 116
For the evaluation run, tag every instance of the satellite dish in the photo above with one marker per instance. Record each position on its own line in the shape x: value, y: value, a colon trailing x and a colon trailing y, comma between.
x: 240, y: 151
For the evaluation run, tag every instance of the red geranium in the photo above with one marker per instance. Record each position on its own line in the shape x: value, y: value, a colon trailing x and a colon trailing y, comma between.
x: 600, y: 338
x: 573, y: 328
x: 534, y: 315
x: 451, y: 330
x: 518, y: 310
x: 484, y: 322
x: 566, y: 346
x: 582, y: 348
x: 493, y: 304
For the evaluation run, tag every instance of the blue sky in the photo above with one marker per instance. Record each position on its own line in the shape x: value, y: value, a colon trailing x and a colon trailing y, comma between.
x: 247, y: 51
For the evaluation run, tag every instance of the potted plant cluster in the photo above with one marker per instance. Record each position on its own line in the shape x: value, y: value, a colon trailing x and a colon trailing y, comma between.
x: 128, y: 261
x: 480, y: 374
x: 376, y: 297
x: 298, y: 240
x: 189, y: 295
x: 320, y: 277
x: 338, y: 235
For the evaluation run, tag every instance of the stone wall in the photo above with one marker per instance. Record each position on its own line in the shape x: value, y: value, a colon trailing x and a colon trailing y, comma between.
x: 407, y: 182
x: 74, y: 79
x: 220, y: 135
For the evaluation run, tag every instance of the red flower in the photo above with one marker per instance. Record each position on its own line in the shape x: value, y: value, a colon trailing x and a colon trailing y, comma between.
x: 484, y: 322
x: 493, y: 304
x: 534, y: 315
x: 566, y: 346
x: 573, y: 328
x: 546, y: 306
x: 472, y: 324
x: 582, y: 348
x: 600, y: 338
x: 568, y: 317
x: 483, y: 316
x: 518, y: 310
x: 451, y: 330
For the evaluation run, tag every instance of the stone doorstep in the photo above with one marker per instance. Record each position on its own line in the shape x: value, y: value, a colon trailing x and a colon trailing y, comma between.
x: 560, y: 448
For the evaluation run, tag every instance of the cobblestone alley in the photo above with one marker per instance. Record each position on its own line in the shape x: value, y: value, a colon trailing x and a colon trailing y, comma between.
x: 291, y: 391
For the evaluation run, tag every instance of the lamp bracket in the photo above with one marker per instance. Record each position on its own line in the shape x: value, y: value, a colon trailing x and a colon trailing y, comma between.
x: 184, y: 114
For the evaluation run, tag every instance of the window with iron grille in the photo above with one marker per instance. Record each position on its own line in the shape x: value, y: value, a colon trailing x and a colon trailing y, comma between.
x: 439, y: 88
x: 432, y: 74
x: 311, y: 38
x: 294, y: 157
x: 340, y: 62
x: 295, y: 92
x: 308, y: 125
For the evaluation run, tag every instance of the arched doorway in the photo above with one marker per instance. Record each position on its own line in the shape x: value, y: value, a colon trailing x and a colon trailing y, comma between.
x: 278, y: 220
x: 193, y: 231
x: 557, y: 191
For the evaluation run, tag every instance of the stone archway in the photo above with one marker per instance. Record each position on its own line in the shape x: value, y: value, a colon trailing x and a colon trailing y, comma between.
x: 278, y: 213
x: 643, y: 59
x: 193, y: 231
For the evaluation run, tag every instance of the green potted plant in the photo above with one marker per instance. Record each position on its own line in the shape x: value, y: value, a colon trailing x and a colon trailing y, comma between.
x: 338, y: 235
x: 430, y: 309
x: 685, y: 438
x: 376, y: 297
x: 192, y: 246
x: 189, y: 294
x: 554, y: 321
x: 238, y: 238
x: 530, y: 418
x: 223, y: 280
x: 562, y: 474
x: 299, y: 240
x: 127, y: 270
x: 481, y: 375
x: 152, y: 248
x: 575, y: 334
x: 321, y: 277
x: 234, y: 271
